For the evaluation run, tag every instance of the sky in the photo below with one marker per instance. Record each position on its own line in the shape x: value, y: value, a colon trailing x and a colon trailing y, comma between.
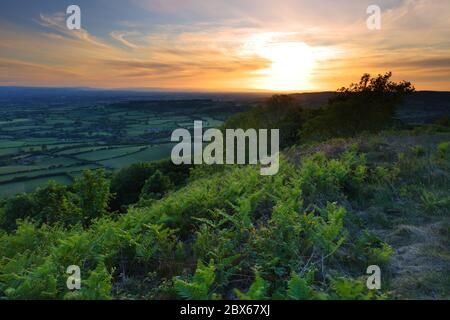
x: 223, y: 45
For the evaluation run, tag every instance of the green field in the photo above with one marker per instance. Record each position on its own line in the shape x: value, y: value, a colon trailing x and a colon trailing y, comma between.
x: 108, y: 154
x: 10, y: 189
x: 16, y: 168
x: 74, y: 151
x: 149, y: 154
x: 63, y: 140
x: 7, y: 178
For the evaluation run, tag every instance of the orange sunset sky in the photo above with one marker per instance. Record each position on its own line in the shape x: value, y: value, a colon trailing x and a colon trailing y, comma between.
x: 220, y: 45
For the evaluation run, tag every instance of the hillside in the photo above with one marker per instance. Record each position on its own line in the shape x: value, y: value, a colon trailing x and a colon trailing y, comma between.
x: 310, y: 231
x: 357, y: 187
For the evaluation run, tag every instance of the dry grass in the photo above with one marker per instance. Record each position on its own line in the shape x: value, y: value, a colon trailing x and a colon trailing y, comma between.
x: 410, y: 212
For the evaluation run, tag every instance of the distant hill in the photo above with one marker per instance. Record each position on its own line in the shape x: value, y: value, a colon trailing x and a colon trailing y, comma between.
x: 420, y: 107
x: 86, y: 92
x: 425, y: 107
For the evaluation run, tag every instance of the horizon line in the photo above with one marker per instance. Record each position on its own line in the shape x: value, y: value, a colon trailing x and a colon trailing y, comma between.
x: 175, y: 90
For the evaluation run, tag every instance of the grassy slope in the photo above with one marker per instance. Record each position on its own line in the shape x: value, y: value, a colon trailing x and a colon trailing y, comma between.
x: 409, y: 209
x: 272, y: 227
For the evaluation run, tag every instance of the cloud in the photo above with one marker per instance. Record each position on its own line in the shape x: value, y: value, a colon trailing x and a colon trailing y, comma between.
x: 211, y: 63
x: 429, y: 63
x: 196, y: 43
x: 22, y: 72
x: 120, y: 36
x: 57, y: 22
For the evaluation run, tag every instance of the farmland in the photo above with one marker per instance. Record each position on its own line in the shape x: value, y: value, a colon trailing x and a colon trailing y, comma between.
x: 55, y: 134
x: 56, y: 137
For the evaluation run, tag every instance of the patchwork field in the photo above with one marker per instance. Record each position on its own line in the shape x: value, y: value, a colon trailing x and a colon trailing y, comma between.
x: 48, y: 140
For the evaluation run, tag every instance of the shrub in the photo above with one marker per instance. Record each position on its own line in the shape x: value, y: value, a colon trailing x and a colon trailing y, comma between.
x: 51, y: 204
x: 434, y: 203
x: 418, y: 150
x: 278, y: 112
x: 94, y: 195
x: 326, y: 180
x: 257, y: 290
x: 443, y: 149
x: 198, y: 287
x: 326, y: 230
x: 127, y: 183
x: 96, y: 287
x: 299, y: 288
x: 156, y: 186
x: 349, y: 289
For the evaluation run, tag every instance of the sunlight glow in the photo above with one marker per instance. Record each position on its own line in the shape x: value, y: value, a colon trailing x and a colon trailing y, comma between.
x: 291, y: 63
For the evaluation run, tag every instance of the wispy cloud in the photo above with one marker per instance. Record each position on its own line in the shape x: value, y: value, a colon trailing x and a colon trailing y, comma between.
x: 208, y: 44
x: 57, y: 23
x: 120, y: 36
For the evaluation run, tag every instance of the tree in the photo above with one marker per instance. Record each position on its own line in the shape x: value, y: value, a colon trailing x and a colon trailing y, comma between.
x: 54, y: 203
x: 156, y: 186
x: 50, y: 204
x: 19, y: 207
x: 368, y: 105
x: 128, y: 182
x: 378, y: 87
x: 278, y: 112
x: 94, y: 194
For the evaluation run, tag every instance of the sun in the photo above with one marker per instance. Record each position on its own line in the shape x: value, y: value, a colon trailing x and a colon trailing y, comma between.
x: 290, y: 62
x: 291, y: 66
